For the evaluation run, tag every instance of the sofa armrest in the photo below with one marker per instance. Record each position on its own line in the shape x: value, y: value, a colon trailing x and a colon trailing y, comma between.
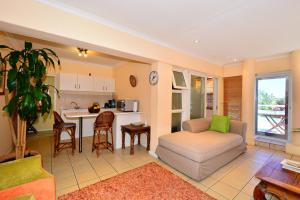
x: 239, y: 128
x: 196, y: 125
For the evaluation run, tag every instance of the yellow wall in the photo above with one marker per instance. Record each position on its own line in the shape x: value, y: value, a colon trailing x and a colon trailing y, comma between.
x: 161, y: 103
x: 232, y: 70
x: 289, y: 63
x: 248, y: 84
x: 262, y: 66
x: 46, y: 121
x: 141, y: 92
x: 294, y: 146
x: 6, y: 144
x: 81, y: 67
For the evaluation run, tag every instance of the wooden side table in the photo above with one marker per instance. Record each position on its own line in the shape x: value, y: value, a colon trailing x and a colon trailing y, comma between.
x: 132, y: 131
x: 282, y: 183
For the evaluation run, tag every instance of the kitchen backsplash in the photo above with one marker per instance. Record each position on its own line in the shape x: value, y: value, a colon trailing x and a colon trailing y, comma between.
x: 83, y: 100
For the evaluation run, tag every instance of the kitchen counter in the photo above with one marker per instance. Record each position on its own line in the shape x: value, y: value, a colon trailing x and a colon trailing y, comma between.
x: 88, y: 119
x: 85, y: 113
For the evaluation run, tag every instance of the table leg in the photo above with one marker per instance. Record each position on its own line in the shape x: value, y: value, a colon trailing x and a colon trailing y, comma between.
x: 132, y: 143
x: 259, y: 192
x: 123, y: 139
x: 148, y: 141
x: 139, y: 139
x: 80, y: 134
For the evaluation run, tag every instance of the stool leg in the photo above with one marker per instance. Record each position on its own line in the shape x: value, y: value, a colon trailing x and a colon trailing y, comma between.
x: 73, y: 139
x: 112, y: 140
x: 99, y: 143
x: 139, y: 139
x: 106, y: 139
x: 148, y: 141
x: 93, y: 145
x: 54, y: 142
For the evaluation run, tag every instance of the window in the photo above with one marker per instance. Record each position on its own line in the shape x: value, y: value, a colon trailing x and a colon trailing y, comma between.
x: 194, y: 95
x: 176, y: 110
x: 176, y: 100
x: 176, y: 122
x: 272, y: 106
x: 179, y: 81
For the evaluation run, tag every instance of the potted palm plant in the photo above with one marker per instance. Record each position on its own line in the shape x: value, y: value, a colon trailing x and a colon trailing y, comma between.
x: 25, y: 82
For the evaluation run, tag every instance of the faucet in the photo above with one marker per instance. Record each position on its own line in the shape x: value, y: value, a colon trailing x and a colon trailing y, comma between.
x: 76, y: 106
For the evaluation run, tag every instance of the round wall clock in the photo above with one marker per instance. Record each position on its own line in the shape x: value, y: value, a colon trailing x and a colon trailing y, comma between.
x: 132, y: 80
x: 153, y: 77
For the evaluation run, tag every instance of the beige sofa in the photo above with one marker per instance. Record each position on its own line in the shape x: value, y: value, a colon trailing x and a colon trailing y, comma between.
x: 197, y: 152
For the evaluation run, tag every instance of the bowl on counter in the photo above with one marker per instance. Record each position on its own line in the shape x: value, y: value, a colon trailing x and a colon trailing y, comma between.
x: 95, y: 108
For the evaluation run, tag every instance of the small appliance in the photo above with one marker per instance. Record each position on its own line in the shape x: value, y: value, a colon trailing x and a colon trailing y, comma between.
x: 127, y: 105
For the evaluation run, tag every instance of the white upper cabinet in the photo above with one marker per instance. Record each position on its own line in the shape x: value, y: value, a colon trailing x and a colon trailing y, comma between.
x: 102, y: 84
x: 68, y: 82
x: 110, y: 85
x: 84, y: 83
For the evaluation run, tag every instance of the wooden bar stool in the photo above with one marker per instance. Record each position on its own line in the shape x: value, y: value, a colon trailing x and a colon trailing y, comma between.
x: 59, y: 127
x: 103, y: 125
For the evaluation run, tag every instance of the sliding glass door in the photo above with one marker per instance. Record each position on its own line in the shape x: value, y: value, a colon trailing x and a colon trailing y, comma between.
x: 272, y: 106
x: 197, y: 104
x: 203, y: 99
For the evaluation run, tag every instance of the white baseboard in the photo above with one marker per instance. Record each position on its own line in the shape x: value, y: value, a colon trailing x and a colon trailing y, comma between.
x: 151, y: 153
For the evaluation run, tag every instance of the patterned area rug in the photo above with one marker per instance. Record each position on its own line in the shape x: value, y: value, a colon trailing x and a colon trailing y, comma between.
x: 148, y: 182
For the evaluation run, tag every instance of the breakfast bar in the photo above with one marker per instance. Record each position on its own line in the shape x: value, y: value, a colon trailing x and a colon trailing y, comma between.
x: 85, y: 123
x: 80, y: 115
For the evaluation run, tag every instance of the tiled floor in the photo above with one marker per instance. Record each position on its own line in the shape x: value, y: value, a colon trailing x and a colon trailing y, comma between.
x: 233, y: 181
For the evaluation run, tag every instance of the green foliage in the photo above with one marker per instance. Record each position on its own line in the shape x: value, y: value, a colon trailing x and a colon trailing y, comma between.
x: 280, y: 101
x: 265, y: 98
x: 25, y: 80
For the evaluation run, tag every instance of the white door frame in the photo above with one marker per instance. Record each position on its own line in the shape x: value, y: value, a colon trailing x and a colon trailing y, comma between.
x: 188, y: 93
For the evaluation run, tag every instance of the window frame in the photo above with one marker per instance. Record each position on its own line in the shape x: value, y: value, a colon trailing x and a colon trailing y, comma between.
x: 178, y: 110
x: 184, y: 78
x: 288, y: 133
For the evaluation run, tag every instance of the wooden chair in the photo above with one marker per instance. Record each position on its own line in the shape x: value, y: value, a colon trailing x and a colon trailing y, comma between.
x: 59, y: 127
x: 103, y: 124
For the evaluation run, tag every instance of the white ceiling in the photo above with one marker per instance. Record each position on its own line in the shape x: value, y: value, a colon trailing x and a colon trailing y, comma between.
x: 226, y: 29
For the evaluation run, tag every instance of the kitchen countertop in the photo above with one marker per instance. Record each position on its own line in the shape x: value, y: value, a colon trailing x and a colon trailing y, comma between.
x: 75, y: 113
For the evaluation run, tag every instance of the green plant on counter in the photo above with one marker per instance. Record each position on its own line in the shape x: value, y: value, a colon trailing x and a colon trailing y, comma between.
x: 25, y: 83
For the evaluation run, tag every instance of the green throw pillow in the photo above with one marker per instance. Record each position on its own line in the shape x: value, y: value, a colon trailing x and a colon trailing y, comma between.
x: 220, y: 124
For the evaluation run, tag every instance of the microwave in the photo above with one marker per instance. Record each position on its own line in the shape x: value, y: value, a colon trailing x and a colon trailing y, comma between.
x: 127, y: 105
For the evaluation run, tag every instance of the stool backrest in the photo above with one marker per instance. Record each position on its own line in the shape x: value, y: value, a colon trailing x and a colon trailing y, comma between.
x: 58, y: 121
x: 105, y: 119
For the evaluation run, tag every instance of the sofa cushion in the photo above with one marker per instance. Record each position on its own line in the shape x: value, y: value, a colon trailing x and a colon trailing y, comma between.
x: 196, y: 125
x: 200, y: 146
x: 21, y: 171
x: 220, y: 124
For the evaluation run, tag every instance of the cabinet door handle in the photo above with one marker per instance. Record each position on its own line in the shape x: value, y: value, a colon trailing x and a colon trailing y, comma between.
x: 75, y: 86
x: 79, y: 86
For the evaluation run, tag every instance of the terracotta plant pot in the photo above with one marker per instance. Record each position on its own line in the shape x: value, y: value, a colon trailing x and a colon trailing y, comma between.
x: 12, y: 156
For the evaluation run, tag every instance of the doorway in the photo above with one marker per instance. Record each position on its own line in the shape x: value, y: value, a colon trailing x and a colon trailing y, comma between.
x: 45, y: 122
x: 272, y: 106
x: 203, y: 96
